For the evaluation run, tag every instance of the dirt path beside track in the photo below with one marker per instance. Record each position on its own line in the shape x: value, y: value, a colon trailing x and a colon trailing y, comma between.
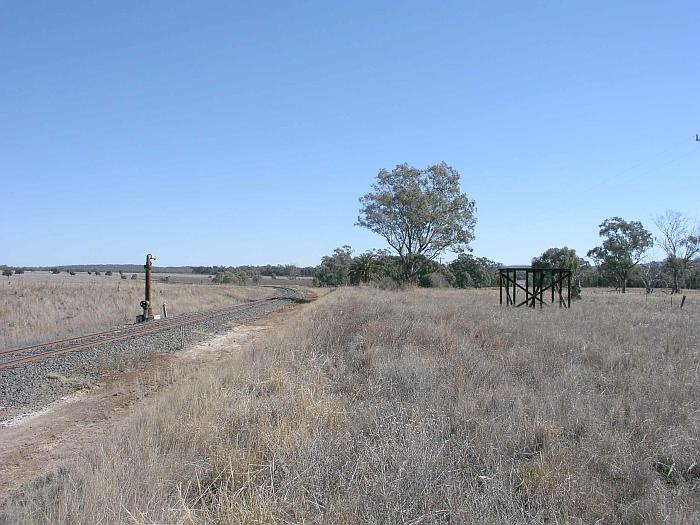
x: 32, y: 445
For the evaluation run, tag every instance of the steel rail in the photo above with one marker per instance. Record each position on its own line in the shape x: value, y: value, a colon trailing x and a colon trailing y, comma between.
x: 121, y: 334
x: 130, y: 328
x: 154, y: 329
x: 139, y: 327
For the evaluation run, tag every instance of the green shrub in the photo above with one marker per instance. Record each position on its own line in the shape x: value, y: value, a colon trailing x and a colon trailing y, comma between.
x: 238, y: 278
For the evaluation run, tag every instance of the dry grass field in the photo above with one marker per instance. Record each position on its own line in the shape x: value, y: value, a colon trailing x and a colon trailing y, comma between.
x: 37, y: 307
x: 414, y: 407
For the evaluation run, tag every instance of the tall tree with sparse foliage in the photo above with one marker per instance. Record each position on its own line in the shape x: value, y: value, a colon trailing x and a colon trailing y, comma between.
x: 420, y: 213
x: 623, y: 247
x: 680, y: 241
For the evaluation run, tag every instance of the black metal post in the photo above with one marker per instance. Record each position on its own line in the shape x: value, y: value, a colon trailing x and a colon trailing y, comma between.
x: 527, y: 287
x: 553, y: 285
x: 500, y: 287
x: 541, y: 290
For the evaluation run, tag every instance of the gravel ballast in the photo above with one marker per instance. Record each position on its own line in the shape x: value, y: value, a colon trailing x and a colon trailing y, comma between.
x: 37, y: 384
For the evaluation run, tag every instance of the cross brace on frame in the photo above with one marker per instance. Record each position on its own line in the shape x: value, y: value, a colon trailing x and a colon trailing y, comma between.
x: 537, y: 282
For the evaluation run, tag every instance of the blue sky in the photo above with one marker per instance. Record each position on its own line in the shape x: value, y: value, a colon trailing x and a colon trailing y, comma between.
x: 244, y: 133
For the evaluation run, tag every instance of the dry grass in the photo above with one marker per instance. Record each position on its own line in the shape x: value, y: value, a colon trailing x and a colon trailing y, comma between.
x: 42, y: 307
x: 414, y: 407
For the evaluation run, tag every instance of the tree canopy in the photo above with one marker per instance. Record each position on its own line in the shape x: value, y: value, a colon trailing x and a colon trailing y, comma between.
x: 563, y: 258
x: 559, y: 258
x: 623, y: 247
x: 364, y: 268
x: 335, y: 269
x: 420, y: 214
x: 470, y: 271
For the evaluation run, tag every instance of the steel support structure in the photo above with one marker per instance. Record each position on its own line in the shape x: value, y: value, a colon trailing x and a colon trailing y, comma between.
x: 557, y: 281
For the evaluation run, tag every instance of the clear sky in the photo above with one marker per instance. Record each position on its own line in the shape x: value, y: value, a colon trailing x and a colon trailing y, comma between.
x: 245, y: 132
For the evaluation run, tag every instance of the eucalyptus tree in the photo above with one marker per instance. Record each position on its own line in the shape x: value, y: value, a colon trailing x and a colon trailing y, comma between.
x: 335, y: 269
x: 624, y: 245
x: 421, y: 213
x: 470, y: 271
x: 563, y: 258
x: 559, y: 258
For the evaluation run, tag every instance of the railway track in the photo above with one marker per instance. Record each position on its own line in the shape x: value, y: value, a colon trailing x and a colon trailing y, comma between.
x: 17, y: 357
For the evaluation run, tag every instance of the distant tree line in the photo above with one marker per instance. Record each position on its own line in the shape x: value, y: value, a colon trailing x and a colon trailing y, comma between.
x: 468, y: 271
x: 93, y: 268
x: 289, y: 271
x: 239, y: 277
x: 619, y: 262
x: 386, y: 270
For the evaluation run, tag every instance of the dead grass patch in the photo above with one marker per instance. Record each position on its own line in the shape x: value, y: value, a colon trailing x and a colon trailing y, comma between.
x: 413, y: 407
x: 39, y: 310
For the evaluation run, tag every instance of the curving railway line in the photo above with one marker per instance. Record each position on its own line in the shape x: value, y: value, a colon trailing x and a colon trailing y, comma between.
x: 17, y: 357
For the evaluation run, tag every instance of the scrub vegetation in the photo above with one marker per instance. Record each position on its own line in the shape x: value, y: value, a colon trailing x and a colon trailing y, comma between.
x: 414, y: 406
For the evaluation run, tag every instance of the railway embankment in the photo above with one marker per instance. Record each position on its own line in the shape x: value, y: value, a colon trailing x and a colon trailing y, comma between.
x: 53, y: 371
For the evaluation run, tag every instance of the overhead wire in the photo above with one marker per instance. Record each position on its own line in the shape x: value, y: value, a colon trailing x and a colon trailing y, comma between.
x: 624, y: 174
